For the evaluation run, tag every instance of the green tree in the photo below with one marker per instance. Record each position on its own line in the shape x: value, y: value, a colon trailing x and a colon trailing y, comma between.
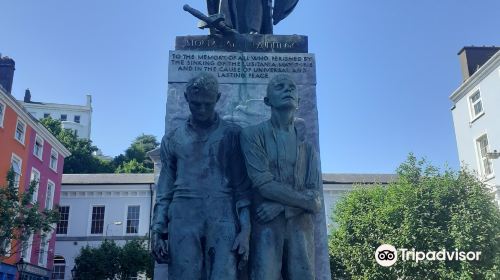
x: 425, y: 209
x: 81, y: 159
x: 135, y: 259
x: 19, y: 218
x: 135, y: 159
x: 132, y: 167
x: 98, y: 263
x: 110, y: 261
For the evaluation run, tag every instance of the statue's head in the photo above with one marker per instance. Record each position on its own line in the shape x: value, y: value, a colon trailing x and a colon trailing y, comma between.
x: 202, y: 93
x: 282, y: 93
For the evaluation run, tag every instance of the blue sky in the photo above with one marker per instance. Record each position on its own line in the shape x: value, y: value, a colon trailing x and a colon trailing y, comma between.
x: 385, y: 69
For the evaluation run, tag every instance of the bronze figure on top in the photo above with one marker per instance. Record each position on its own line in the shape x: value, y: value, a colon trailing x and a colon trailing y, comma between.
x: 249, y: 16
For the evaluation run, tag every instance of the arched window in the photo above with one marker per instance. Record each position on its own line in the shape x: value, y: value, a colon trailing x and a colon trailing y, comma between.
x: 59, y: 268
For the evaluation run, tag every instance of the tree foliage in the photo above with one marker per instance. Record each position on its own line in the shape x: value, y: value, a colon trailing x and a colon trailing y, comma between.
x: 135, y: 159
x: 19, y: 218
x: 81, y: 159
x: 425, y: 209
x: 110, y: 261
x: 132, y: 167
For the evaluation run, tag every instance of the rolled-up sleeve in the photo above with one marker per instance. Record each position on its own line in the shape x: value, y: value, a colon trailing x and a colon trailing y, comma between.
x: 313, y: 176
x: 165, y: 186
x: 257, y: 162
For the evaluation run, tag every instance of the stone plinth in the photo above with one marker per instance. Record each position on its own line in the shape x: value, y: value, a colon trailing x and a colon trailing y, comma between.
x: 243, y: 77
x: 244, y: 43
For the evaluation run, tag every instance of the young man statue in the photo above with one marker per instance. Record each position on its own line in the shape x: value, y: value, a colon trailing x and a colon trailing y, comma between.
x: 201, y: 219
x: 285, y: 176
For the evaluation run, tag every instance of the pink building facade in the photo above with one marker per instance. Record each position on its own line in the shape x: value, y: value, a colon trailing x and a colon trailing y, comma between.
x: 33, y: 153
x: 44, y: 163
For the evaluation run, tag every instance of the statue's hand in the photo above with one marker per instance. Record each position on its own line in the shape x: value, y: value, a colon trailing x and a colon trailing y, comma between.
x: 241, y: 245
x: 267, y: 211
x: 314, y: 201
x: 159, y: 248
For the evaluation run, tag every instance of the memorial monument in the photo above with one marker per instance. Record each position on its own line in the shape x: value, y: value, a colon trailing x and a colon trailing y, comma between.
x: 248, y: 69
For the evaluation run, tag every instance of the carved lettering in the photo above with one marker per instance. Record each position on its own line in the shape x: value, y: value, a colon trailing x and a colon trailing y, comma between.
x: 244, y: 66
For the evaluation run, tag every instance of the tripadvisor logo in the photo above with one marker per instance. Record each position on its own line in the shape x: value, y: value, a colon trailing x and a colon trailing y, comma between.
x: 387, y: 255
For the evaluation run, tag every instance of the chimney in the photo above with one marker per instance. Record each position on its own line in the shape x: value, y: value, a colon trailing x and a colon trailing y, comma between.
x: 27, y: 96
x: 7, y: 67
x: 472, y: 58
x: 89, y: 100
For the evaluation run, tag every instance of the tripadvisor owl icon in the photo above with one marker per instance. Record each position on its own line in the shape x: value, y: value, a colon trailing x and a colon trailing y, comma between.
x: 386, y: 255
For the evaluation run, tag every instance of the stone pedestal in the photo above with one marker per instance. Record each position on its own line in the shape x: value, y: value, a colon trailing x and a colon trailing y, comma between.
x: 243, y: 77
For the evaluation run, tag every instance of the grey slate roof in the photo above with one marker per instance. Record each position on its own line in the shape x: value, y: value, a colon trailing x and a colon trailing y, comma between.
x: 349, y: 178
x: 148, y: 178
x: 107, y: 179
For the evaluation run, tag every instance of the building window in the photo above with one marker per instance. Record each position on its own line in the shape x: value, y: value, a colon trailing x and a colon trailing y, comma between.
x: 38, y: 147
x: 62, y: 225
x: 59, y: 268
x: 53, y: 160
x: 44, y: 248
x: 64, y: 117
x: 77, y: 119
x: 16, y: 164
x: 476, y: 105
x: 20, y: 131
x: 97, y: 223
x: 35, y: 176
x: 46, y: 115
x: 6, y: 247
x: 133, y: 219
x: 2, y: 113
x: 49, y: 198
x: 485, y: 162
x: 26, y: 249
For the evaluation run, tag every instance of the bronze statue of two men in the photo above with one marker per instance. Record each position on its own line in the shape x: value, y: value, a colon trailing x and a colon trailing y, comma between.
x: 228, y: 195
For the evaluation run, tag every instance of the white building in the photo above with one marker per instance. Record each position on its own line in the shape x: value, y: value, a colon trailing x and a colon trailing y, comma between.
x: 476, y: 113
x: 75, y: 117
x: 336, y: 186
x: 95, y: 207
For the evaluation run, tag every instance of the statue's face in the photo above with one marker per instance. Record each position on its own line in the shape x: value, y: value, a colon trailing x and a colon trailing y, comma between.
x: 283, y: 94
x: 202, y: 105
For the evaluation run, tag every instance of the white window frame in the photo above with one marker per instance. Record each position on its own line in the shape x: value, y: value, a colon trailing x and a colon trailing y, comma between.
x: 67, y: 227
x: 7, y: 246
x: 89, y: 232
x: 38, y: 139
x: 63, y: 265
x: 77, y: 117
x: 472, y: 111
x: 34, y: 171
x: 2, y: 113
x: 482, y: 158
x: 20, y: 160
x: 23, y: 137
x: 126, y: 220
x: 49, y: 196
x: 43, y: 254
x: 26, y: 251
x: 53, y: 152
x: 61, y: 117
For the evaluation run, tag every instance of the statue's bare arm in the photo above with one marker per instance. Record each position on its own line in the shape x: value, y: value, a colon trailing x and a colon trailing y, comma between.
x: 164, y: 193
